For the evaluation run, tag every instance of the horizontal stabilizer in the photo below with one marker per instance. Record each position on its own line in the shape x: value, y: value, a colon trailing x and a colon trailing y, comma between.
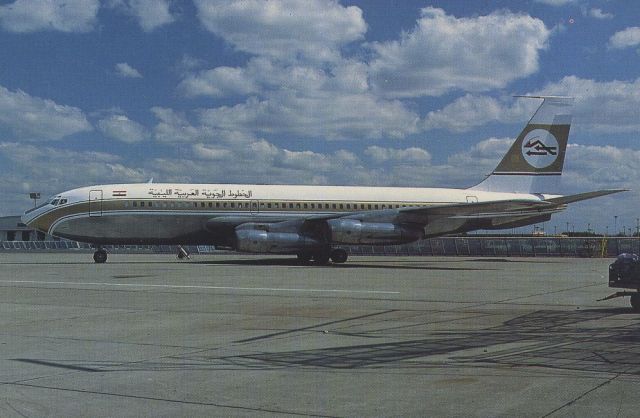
x: 563, y: 200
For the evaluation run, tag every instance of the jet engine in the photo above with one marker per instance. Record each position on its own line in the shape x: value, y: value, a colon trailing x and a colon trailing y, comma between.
x: 353, y: 231
x: 261, y: 241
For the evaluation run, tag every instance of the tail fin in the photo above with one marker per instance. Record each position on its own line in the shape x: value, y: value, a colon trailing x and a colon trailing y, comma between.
x: 534, y: 162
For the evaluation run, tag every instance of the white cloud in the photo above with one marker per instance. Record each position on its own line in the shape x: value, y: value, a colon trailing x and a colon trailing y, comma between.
x: 31, y: 118
x: 284, y: 29
x: 607, y: 106
x: 556, y: 3
x: 627, y: 38
x: 123, y: 129
x: 47, y: 170
x: 599, y: 14
x: 481, y: 158
x: 218, y: 82
x: 324, y: 115
x: 300, y: 100
x: 408, y: 155
x: 263, y: 75
x: 444, y: 53
x: 124, y: 70
x: 150, y: 14
x: 470, y: 111
x: 599, y: 106
x: 56, y: 15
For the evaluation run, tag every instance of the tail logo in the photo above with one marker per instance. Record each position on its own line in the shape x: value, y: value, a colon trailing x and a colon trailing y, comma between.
x: 540, y: 148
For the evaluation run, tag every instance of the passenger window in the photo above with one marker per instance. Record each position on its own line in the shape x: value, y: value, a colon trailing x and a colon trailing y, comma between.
x: 305, y: 206
x: 201, y: 204
x: 369, y: 206
x: 384, y: 206
x: 326, y: 206
x: 149, y: 204
x: 210, y: 205
x: 217, y: 204
x: 340, y: 205
x: 224, y: 204
x: 135, y: 204
x: 233, y: 205
x: 313, y: 206
x: 297, y: 205
x: 348, y: 206
x: 333, y: 205
x: 269, y: 205
x: 276, y: 205
x: 375, y: 206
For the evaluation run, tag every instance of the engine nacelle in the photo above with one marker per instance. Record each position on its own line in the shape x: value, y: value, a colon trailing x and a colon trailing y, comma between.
x: 353, y: 231
x: 261, y: 241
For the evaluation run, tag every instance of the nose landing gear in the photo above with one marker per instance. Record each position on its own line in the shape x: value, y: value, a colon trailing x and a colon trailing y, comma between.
x: 100, y: 256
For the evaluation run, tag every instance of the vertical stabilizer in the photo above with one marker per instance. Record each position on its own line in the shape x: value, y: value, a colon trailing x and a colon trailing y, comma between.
x: 534, y: 162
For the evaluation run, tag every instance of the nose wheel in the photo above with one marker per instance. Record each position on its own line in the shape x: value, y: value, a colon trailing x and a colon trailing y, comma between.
x: 100, y: 256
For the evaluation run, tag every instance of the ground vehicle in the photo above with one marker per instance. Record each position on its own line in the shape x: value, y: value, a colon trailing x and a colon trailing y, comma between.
x: 624, y: 273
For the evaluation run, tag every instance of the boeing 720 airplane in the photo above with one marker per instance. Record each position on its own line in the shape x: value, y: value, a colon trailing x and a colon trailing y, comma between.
x: 313, y: 221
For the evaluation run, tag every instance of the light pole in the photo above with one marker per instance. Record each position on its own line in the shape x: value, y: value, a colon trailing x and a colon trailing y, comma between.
x: 35, y: 196
x: 615, y: 225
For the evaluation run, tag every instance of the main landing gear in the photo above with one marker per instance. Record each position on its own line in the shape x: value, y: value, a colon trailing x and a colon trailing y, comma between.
x: 337, y: 256
x: 100, y: 256
x: 182, y: 253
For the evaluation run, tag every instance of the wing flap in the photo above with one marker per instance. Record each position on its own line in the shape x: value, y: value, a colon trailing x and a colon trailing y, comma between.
x: 476, y: 208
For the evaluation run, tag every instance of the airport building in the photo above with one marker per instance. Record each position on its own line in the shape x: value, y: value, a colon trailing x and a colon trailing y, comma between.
x: 12, y: 229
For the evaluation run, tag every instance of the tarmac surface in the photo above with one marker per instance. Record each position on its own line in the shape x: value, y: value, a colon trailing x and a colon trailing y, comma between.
x: 228, y: 335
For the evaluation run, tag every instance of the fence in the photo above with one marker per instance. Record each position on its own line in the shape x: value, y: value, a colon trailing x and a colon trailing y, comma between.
x: 475, y: 246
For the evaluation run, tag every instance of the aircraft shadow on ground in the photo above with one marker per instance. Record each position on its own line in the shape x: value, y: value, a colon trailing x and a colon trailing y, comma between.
x: 558, y: 340
x: 424, y: 265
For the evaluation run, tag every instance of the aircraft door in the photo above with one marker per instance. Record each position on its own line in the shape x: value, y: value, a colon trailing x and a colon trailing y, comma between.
x: 95, y: 203
x: 472, y: 199
x: 255, y: 207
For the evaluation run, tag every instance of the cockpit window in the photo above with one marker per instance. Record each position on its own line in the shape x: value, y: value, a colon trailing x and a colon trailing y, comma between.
x: 63, y: 201
x: 55, y: 202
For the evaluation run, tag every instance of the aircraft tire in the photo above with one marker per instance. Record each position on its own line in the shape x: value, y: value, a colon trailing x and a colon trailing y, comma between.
x: 339, y: 255
x: 100, y: 256
x: 321, y: 258
x: 635, y: 302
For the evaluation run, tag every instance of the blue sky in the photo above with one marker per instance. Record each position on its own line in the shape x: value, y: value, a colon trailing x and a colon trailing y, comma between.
x: 314, y: 92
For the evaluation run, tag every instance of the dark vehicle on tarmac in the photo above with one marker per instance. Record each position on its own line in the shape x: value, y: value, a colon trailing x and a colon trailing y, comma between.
x: 624, y: 273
